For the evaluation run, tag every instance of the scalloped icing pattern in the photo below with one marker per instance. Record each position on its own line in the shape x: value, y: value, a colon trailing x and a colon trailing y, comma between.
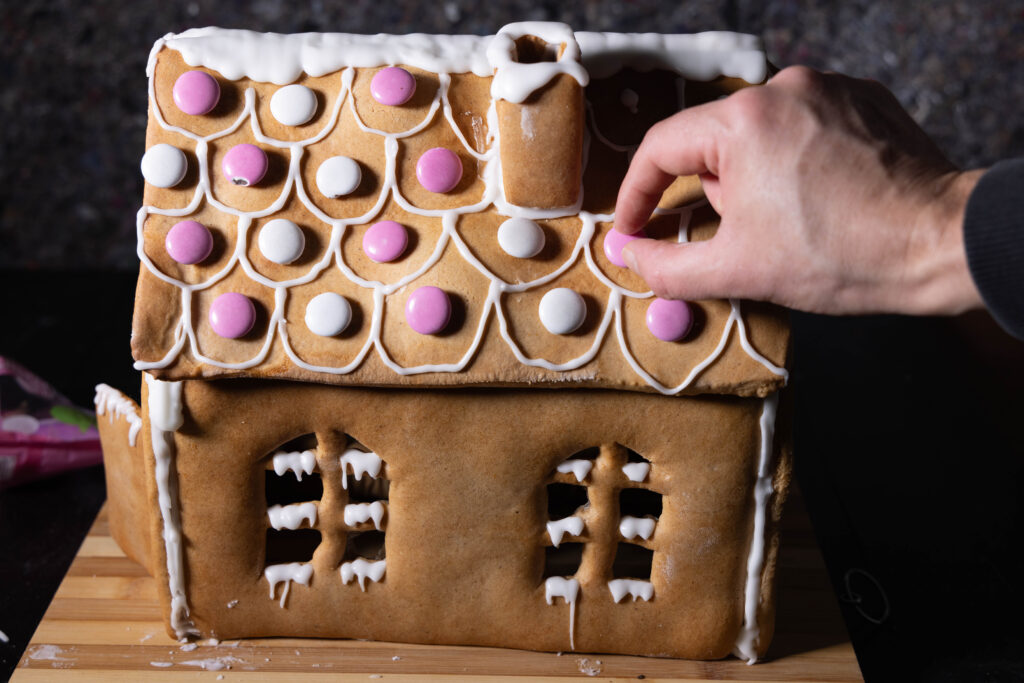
x: 282, y: 59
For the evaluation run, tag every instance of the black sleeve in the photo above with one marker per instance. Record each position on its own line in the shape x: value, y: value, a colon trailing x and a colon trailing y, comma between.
x: 994, y: 237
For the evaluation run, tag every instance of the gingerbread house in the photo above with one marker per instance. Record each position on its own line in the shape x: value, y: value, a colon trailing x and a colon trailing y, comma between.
x: 398, y: 383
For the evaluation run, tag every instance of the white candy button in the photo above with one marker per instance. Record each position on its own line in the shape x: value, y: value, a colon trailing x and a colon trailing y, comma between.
x: 281, y: 241
x: 562, y: 311
x: 164, y: 165
x: 521, y: 237
x: 328, y: 314
x: 293, y: 105
x: 338, y: 176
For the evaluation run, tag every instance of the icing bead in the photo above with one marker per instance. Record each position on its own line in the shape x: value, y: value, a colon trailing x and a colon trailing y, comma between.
x: 338, y: 176
x: 281, y: 241
x: 245, y: 164
x: 232, y: 315
x: 385, y: 241
x: 196, y: 92
x: 164, y: 165
x: 293, y: 105
x: 669, y: 319
x: 393, y: 86
x: 614, y: 241
x: 521, y: 237
x: 439, y: 170
x: 562, y: 311
x: 428, y: 310
x: 188, y: 242
x: 328, y: 314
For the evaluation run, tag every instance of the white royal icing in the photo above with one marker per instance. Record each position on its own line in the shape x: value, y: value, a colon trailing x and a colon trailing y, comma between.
x: 562, y: 310
x: 282, y: 59
x: 635, y: 588
x: 109, y: 401
x: 357, y: 513
x: 636, y: 471
x: 514, y: 81
x: 299, y: 572
x: 746, y: 642
x: 328, y: 314
x: 281, y: 241
x: 521, y: 237
x: 296, y: 462
x: 579, y: 467
x: 293, y: 105
x: 361, y: 570
x: 631, y: 527
x: 360, y: 463
x: 568, y: 589
x: 338, y: 176
x: 166, y: 415
x: 559, y: 527
x: 164, y: 165
x: 292, y: 516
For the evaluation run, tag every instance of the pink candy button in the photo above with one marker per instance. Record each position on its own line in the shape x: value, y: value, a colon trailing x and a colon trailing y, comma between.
x: 614, y: 241
x: 428, y: 310
x: 188, y: 242
x: 196, y: 92
x: 245, y: 164
x: 232, y: 315
x: 669, y: 319
x: 393, y: 86
x: 385, y: 241
x: 439, y: 169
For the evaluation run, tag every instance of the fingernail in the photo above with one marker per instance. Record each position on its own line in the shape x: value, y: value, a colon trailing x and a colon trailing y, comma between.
x: 629, y: 257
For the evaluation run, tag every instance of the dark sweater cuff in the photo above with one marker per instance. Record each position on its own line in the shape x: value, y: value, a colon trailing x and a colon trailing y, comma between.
x: 994, y: 238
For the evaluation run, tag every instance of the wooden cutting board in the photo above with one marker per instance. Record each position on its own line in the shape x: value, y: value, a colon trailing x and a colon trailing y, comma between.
x: 105, y: 624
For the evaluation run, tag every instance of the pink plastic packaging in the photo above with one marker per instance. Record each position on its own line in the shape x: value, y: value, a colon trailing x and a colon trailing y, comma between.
x: 41, y: 432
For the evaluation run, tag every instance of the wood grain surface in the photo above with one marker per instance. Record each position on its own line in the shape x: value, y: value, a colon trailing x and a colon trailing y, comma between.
x: 105, y: 623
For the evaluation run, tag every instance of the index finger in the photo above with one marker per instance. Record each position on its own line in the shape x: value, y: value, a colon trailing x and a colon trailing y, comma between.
x: 683, y: 144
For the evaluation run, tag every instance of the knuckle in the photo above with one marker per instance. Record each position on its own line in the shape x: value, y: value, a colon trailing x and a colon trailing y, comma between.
x: 800, y: 78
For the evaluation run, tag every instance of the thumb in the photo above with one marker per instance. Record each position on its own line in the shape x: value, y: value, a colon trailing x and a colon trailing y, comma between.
x: 689, y: 271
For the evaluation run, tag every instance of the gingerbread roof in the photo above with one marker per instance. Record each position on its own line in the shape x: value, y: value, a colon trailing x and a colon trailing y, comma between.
x: 313, y: 212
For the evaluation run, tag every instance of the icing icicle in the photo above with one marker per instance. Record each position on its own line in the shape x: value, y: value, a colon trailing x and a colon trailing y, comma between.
x: 298, y: 463
x: 568, y: 589
x: 361, y: 570
x: 291, y: 516
x: 636, y: 471
x: 359, y: 463
x: 558, y: 528
x: 635, y: 588
x: 299, y: 572
x: 579, y: 467
x: 109, y: 401
x: 631, y: 527
x: 358, y: 513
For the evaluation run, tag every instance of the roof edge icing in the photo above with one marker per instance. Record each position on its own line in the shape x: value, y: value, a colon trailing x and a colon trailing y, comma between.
x: 283, y: 58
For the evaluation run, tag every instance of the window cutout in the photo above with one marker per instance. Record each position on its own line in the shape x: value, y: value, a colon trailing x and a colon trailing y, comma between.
x: 639, y: 503
x: 531, y: 49
x: 565, y: 499
x: 368, y: 545
x: 565, y: 560
x: 579, y: 464
x: 366, y: 489
x: 286, y: 489
x: 633, y: 456
x: 306, y: 442
x: 632, y: 562
x: 291, y: 546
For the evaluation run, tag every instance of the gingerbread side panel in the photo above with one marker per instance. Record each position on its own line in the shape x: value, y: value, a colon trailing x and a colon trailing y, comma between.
x: 543, y: 520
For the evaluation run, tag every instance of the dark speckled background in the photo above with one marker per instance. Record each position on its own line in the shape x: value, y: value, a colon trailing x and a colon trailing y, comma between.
x: 74, y: 91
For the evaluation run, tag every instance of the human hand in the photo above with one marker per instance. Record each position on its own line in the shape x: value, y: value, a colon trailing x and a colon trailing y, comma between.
x: 832, y: 201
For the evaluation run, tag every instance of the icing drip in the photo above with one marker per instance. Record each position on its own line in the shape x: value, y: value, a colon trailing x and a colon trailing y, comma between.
x: 631, y: 527
x: 165, y: 417
x: 361, y: 570
x: 746, y: 641
x: 291, y: 516
x: 634, y: 588
x: 515, y: 81
x: 569, y: 525
x: 298, y: 463
x: 357, y: 513
x: 568, y: 589
x: 360, y: 463
x: 110, y: 401
x: 580, y: 468
x: 299, y: 572
x: 240, y: 53
x: 637, y: 471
